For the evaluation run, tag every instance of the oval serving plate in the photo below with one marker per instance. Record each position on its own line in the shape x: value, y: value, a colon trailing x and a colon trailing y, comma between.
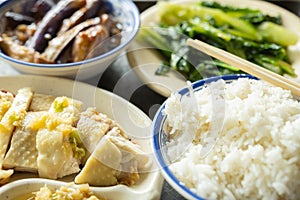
x: 134, y: 122
x: 145, y: 61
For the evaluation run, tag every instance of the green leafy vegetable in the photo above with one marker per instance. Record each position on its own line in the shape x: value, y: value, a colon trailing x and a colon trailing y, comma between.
x: 245, y: 32
x: 253, y: 16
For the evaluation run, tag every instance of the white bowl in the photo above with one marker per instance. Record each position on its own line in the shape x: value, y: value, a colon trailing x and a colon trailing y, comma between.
x: 205, y: 141
x: 135, y: 122
x: 127, y: 15
x: 160, y: 138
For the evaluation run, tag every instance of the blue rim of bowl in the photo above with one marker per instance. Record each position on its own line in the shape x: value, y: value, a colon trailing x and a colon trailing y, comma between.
x: 158, y: 122
x: 136, y: 24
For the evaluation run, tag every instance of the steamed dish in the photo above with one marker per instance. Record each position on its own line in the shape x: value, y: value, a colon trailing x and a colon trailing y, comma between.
x: 59, y: 31
x: 54, y: 137
x: 244, y: 141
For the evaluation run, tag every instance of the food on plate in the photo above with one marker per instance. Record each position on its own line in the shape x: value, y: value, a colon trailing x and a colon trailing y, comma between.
x: 6, y: 98
x: 24, y: 142
x: 249, y: 33
x: 40, y: 102
x: 58, y: 138
x: 13, y: 117
x: 5, y: 175
x: 252, y: 131
x: 128, y: 156
x: 82, y: 192
x: 59, y: 31
x: 58, y: 156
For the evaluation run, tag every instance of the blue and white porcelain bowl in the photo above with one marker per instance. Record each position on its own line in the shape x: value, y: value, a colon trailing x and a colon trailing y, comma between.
x: 124, y: 11
x: 160, y: 138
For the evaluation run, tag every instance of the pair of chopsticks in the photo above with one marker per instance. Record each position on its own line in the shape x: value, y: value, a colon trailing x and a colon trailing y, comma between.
x: 246, y: 66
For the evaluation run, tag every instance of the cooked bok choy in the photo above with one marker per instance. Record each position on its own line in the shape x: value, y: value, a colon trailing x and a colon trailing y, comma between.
x: 245, y: 32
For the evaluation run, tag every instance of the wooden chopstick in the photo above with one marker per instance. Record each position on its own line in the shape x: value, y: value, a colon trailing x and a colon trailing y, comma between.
x: 246, y: 66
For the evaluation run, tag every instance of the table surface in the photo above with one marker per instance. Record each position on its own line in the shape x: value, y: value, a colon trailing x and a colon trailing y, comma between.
x: 120, y: 74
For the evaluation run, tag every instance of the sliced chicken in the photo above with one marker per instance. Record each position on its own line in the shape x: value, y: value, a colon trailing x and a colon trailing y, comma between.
x: 6, y: 99
x: 56, y: 156
x: 22, y: 154
x: 92, y: 126
x: 41, y: 102
x: 115, y: 160
x: 67, y: 109
x: 13, y: 118
x: 134, y: 160
x: 102, y: 167
x: 5, y: 175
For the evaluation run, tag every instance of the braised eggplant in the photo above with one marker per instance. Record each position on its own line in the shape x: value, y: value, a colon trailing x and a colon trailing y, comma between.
x: 20, y: 52
x: 59, y: 31
x: 91, y: 10
x: 60, y: 42
x: 50, y: 24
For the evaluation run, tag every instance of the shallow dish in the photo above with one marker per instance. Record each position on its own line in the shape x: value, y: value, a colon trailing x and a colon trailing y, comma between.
x: 145, y: 61
x: 125, y: 12
x: 128, y: 116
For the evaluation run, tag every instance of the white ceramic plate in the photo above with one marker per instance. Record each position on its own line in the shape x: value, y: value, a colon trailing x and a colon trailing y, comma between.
x: 135, y: 123
x: 145, y: 61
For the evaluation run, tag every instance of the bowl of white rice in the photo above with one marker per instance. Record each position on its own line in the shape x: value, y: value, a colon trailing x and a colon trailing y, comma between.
x: 230, y: 137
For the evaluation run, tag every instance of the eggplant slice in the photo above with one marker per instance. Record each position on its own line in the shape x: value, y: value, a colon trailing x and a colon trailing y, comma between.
x: 51, y: 22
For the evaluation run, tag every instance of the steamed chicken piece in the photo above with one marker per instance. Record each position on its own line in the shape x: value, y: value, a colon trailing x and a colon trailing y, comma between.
x: 41, y: 102
x: 43, y: 134
x: 13, y: 117
x: 5, y: 175
x: 134, y: 159
x: 56, y: 157
x: 92, y: 126
x: 22, y: 154
x: 102, y: 167
x: 115, y: 160
x: 51, y: 142
x: 55, y: 154
x: 67, y: 109
x: 6, y: 99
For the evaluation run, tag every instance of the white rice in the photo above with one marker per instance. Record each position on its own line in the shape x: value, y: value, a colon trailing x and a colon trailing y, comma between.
x: 252, y: 134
